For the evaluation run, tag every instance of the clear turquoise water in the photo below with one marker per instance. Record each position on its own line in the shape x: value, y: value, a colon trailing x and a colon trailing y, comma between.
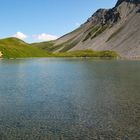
x: 69, y: 99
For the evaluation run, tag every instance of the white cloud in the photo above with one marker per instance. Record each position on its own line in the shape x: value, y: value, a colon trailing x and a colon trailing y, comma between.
x: 39, y: 37
x: 20, y: 35
x: 45, y: 37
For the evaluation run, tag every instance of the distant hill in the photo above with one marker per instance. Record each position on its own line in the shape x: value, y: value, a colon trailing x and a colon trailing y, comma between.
x: 48, y: 46
x: 116, y: 29
x: 13, y: 48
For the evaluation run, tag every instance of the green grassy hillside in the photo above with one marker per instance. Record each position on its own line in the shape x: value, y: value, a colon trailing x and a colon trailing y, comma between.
x: 87, y: 53
x: 16, y: 48
x: 48, y: 46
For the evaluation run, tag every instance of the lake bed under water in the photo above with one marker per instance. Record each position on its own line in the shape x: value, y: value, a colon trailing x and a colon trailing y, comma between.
x: 69, y: 99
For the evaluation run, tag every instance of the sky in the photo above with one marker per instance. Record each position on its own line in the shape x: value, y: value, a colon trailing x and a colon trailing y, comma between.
x: 43, y: 20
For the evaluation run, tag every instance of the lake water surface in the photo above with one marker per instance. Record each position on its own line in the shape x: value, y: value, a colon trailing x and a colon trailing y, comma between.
x: 69, y: 99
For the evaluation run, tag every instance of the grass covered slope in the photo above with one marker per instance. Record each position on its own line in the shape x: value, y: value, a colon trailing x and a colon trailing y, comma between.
x: 48, y: 46
x: 87, y: 53
x: 16, y: 48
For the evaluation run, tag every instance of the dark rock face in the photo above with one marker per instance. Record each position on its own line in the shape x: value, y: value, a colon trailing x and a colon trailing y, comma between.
x: 110, y: 16
x: 104, y: 16
x: 138, y: 11
x: 129, y: 1
x: 98, y: 16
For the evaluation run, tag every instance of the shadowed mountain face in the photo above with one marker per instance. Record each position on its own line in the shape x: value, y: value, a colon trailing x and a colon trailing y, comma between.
x: 116, y: 29
x: 128, y: 1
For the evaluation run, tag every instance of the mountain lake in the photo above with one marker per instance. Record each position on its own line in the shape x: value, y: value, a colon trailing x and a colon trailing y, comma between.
x: 69, y: 99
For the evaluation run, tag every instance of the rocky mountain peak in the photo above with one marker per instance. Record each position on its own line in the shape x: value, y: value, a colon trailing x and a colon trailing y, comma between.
x: 136, y: 2
x: 111, y: 16
x: 104, y: 16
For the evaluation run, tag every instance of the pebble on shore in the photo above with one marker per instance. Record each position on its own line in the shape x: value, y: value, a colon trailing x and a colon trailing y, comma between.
x: 1, y: 54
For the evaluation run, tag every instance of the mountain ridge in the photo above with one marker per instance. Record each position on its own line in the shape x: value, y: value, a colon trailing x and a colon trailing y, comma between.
x: 115, y: 29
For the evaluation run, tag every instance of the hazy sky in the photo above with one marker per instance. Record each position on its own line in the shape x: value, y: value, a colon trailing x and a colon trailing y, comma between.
x: 38, y: 20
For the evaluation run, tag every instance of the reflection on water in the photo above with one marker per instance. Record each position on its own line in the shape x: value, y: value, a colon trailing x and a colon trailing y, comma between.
x: 69, y: 99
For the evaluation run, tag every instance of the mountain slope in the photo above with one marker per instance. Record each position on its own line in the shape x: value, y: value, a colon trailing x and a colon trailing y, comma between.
x: 116, y: 29
x: 44, y: 45
x: 13, y: 48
